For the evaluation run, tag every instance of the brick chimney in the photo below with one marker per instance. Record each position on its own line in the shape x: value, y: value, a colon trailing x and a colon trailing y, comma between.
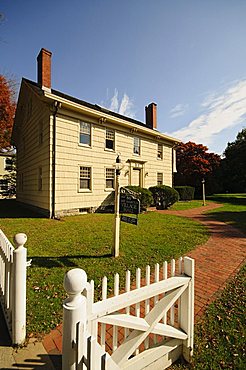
x: 151, y: 116
x: 44, y: 68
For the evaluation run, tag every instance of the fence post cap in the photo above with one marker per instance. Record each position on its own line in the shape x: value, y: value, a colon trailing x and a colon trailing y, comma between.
x: 75, y: 281
x: 20, y: 239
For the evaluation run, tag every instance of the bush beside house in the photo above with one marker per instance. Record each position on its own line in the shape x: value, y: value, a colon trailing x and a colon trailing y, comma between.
x: 164, y: 196
x: 144, y: 195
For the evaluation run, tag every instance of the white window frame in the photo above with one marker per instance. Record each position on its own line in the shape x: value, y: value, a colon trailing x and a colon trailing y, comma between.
x: 112, y: 178
x: 89, y: 189
x: 40, y: 178
x: 109, y: 131
x: 160, y: 174
x: 136, y: 146
x: 160, y: 152
x: 89, y: 134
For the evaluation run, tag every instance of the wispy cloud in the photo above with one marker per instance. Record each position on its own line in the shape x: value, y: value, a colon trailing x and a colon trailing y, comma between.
x: 124, y: 105
x: 221, y: 111
x: 178, y: 110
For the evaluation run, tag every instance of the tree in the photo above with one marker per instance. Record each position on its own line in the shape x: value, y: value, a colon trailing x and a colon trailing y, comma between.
x: 7, y: 111
x: 233, y: 173
x: 193, y: 164
x: 11, y: 178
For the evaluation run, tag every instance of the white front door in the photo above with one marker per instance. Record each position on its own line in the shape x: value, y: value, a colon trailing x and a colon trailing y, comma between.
x: 135, y: 180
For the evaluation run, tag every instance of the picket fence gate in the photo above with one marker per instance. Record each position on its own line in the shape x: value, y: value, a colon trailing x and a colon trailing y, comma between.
x: 13, y: 264
x: 148, y: 326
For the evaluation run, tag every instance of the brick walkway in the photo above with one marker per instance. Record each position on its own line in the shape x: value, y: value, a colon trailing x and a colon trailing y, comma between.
x: 216, y: 261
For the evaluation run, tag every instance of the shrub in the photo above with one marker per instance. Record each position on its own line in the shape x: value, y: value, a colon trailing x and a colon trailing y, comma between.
x: 164, y: 196
x: 185, y: 192
x: 144, y: 195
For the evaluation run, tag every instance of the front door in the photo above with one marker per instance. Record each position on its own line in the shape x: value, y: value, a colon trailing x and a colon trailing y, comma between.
x: 136, y: 179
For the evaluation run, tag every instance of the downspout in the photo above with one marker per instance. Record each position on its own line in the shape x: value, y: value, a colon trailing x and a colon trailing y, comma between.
x: 56, y: 106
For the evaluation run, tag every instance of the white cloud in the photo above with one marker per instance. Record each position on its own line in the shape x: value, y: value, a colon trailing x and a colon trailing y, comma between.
x: 222, y: 111
x: 124, y: 105
x: 178, y: 110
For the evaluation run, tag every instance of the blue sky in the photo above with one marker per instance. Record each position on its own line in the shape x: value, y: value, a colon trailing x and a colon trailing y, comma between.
x: 188, y: 56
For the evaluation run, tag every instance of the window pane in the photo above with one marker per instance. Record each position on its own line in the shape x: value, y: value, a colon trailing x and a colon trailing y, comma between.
x: 160, y: 151
x: 159, y: 178
x: 136, y: 145
x: 110, y: 178
x: 85, y: 178
x: 110, y: 139
x: 85, y: 133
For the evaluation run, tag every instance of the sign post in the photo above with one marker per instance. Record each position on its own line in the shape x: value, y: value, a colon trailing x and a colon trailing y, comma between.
x: 116, y: 243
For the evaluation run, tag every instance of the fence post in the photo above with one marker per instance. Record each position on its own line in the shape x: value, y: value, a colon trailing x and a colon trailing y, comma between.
x: 187, y: 309
x: 19, y: 290
x: 74, y: 313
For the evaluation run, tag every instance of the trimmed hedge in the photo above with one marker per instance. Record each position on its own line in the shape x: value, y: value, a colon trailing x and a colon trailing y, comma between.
x: 185, y: 192
x: 164, y: 196
x: 144, y: 195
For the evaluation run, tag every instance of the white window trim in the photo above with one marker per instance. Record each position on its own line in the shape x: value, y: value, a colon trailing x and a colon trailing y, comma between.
x: 91, y: 132
x: 160, y: 159
x: 108, y: 149
x: 105, y: 170
x: 85, y: 190
x: 135, y: 154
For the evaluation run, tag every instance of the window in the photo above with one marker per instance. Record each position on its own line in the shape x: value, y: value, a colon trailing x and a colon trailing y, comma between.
x: 40, y: 133
x: 8, y: 164
x: 160, y: 151
x: 3, y: 185
x: 110, y: 178
x: 85, y: 178
x: 85, y: 133
x: 159, y: 178
x: 110, y: 139
x: 40, y: 178
x: 136, y: 145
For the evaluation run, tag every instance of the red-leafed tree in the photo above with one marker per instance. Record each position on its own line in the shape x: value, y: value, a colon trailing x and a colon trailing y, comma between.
x: 195, y: 163
x: 7, y: 111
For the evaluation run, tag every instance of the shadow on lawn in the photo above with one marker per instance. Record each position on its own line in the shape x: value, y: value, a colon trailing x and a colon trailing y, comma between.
x: 10, y: 208
x: 64, y: 261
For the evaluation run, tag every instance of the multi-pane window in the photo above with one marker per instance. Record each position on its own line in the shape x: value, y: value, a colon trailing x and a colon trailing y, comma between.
x: 160, y: 151
x: 85, y: 133
x: 110, y: 139
x: 40, y: 133
x: 40, y: 178
x: 159, y: 178
x: 110, y: 178
x: 85, y: 178
x: 136, y: 145
x: 3, y: 185
x: 8, y: 164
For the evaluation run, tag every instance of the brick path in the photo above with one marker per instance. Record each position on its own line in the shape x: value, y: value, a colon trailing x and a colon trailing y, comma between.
x: 216, y: 261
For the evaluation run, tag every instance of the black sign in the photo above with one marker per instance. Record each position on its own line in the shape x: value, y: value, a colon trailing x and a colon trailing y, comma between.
x: 129, y: 204
x: 129, y: 220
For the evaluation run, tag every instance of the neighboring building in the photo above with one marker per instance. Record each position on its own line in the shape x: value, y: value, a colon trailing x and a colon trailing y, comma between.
x: 6, y: 164
x: 66, y: 149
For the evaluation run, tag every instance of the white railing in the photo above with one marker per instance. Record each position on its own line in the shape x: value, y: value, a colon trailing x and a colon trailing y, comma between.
x: 148, y: 326
x: 13, y: 266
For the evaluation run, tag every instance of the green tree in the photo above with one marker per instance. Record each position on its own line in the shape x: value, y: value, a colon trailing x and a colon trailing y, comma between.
x: 11, y: 178
x: 233, y: 173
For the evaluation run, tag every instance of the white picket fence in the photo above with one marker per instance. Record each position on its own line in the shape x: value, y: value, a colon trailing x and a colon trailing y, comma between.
x: 13, y: 264
x: 148, y: 326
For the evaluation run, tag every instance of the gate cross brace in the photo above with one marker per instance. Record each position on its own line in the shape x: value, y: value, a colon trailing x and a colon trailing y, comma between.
x: 133, y: 341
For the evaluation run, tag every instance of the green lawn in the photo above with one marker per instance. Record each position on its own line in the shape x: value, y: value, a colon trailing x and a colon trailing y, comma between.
x: 233, y: 211
x: 180, y: 206
x: 220, y: 336
x: 85, y: 241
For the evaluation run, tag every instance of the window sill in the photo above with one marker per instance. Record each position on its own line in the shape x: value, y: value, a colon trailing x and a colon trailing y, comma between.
x: 109, y: 189
x: 109, y: 150
x: 85, y: 146
x: 87, y: 191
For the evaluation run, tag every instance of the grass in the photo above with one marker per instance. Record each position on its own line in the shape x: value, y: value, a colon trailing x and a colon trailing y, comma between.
x: 220, y: 336
x: 181, y: 205
x: 85, y: 242
x: 233, y: 211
